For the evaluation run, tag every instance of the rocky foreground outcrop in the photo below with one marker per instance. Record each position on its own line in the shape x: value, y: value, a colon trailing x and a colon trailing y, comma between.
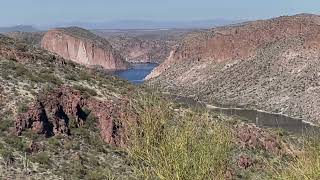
x: 83, y: 47
x: 56, y: 112
x: 271, y: 65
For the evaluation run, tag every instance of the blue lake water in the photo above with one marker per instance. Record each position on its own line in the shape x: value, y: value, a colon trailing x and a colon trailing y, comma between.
x: 137, y: 72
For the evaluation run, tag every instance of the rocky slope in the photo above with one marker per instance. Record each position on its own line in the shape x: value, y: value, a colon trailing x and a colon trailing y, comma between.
x: 43, y: 95
x: 270, y: 65
x: 83, y: 47
x: 31, y: 38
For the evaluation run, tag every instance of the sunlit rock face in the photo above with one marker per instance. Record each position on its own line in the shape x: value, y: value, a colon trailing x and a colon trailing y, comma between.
x: 83, y: 47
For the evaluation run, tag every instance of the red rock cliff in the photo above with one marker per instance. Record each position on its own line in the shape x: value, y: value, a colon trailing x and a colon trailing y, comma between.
x: 239, y: 41
x: 83, y: 47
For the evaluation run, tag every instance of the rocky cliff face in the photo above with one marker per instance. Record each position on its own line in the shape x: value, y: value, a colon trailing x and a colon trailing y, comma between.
x: 271, y: 65
x: 83, y: 47
x: 239, y: 41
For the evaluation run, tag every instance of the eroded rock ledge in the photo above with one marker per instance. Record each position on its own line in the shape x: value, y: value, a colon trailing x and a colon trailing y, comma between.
x: 54, y: 114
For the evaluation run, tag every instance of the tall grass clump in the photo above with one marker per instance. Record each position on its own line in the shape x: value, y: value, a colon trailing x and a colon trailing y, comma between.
x: 166, y: 145
x: 305, y: 166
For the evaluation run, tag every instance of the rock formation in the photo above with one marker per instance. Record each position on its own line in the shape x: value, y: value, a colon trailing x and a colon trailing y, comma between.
x: 240, y: 41
x: 83, y: 47
x: 271, y: 65
x: 56, y: 112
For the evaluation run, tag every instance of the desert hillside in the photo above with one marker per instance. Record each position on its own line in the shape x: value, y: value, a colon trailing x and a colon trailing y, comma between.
x: 61, y: 120
x: 270, y: 65
x: 83, y: 47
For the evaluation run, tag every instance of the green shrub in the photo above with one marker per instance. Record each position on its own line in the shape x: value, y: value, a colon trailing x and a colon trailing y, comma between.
x: 22, y: 108
x: 42, y: 158
x: 16, y: 142
x: 20, y: 70
x: 51, y: 78
x: 97, y: 174
x: 5, y: 124
x: 74, y: 170
x: 188, y: 147
x: 85, y: 90
x: 54, y: 142
x: 22, y: 47
x: 83, y: 75
x: 7, y: 156
x: 71, y: 77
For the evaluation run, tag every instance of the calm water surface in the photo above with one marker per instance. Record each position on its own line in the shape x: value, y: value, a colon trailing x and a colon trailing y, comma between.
x: 137, y: 72
x: 260, y: 118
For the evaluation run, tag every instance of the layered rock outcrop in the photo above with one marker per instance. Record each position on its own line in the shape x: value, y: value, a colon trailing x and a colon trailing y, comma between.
x: 56, y: 112
x: 83, y: 47
x: 270, y: 65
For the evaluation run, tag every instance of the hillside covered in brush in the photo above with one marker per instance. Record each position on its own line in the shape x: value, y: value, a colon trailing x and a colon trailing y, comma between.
x: 271, y: 65
x: 61, y: 120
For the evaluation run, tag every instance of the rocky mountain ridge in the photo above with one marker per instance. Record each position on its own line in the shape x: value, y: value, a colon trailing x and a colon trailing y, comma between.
x: 270, y: 65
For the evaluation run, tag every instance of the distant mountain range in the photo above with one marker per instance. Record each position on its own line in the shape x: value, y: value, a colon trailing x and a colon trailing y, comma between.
x: 126, y: 24
x: 19, y: 28
x: 146, y: 24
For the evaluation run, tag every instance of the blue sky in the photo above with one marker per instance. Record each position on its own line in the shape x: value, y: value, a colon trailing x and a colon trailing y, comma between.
x: 56, y: 11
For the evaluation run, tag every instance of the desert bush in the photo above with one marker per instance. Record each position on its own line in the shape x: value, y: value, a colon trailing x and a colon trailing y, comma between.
x: 70, y: 76
x: 15, y: 142
x: 22, y: 108
x: 22, y: 47
x: 83, y: 75
x: 85, y: 90
x: 186, y: 147
x: 7, y: 156
x: 305, y: 166
x: 99, y: 174
x: 54, y: 142
x: 51, y: 78
x: 5, y: 124
x: 42, y: 158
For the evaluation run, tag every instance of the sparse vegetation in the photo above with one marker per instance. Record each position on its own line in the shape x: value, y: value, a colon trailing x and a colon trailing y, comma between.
x: 305, y: 166
x: 185, y: 147
x: 167, y: 141
x: 86, y: 90
x: 7, y: 156
x: 42, y: 158
x: 22, y: 108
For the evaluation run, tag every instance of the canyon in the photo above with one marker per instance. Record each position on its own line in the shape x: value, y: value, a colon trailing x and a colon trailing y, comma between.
x: 134, y: 46
x: 144, y: 45
x: 73, y: 122
x: 270, y: 65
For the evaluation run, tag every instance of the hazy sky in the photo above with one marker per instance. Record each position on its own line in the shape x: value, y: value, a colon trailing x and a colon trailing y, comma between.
x: 56, y: 11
